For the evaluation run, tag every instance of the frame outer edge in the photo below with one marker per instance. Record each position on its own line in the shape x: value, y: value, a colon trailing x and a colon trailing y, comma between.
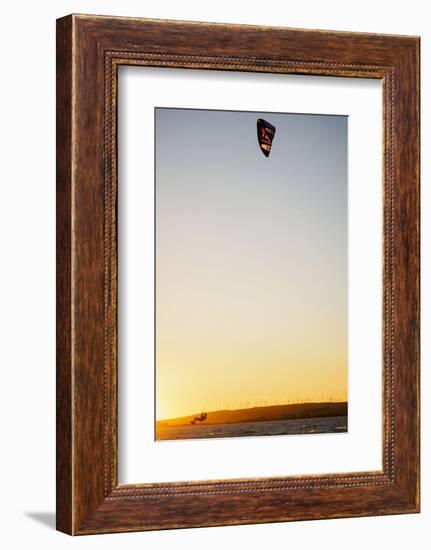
x: 64, y: 368
x: 407, y: 241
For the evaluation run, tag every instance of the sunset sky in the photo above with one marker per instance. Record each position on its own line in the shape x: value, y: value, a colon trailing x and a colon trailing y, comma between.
x: 251, y: 260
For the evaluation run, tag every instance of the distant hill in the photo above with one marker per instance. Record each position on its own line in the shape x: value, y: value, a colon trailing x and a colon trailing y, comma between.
x: 260, y: 414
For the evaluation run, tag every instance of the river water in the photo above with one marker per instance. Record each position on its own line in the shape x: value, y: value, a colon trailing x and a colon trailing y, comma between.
x: 333, y: 424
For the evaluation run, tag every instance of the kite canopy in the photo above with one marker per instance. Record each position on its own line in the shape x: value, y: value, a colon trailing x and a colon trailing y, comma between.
x: 265, y: 135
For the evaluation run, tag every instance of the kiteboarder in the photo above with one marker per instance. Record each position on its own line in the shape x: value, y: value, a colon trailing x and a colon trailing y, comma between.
x: 201, y: 418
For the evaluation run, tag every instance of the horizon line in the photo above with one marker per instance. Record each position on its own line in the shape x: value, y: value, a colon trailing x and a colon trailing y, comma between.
x: 251, y: 407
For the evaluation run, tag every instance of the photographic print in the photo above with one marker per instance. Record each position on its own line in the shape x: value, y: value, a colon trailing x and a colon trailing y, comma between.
x: 250, y: 274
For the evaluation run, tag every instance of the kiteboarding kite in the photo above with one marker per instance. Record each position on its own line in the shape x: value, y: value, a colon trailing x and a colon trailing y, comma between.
x: 265, y: 135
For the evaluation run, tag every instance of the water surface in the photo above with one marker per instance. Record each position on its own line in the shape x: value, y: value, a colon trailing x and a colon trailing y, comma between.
x: 333, y: 424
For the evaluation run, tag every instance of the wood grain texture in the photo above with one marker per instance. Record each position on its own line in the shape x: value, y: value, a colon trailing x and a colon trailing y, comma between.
x: 90, y: 49
x: 64, y: 497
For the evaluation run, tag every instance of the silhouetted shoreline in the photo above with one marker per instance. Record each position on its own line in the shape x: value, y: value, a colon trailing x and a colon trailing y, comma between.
x: 262, y: 414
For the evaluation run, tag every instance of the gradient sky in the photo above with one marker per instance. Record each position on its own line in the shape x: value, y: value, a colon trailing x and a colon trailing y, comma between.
x: 251, y: 260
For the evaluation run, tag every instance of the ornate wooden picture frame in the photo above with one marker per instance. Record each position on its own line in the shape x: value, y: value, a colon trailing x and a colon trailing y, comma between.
x: 89, y: 51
